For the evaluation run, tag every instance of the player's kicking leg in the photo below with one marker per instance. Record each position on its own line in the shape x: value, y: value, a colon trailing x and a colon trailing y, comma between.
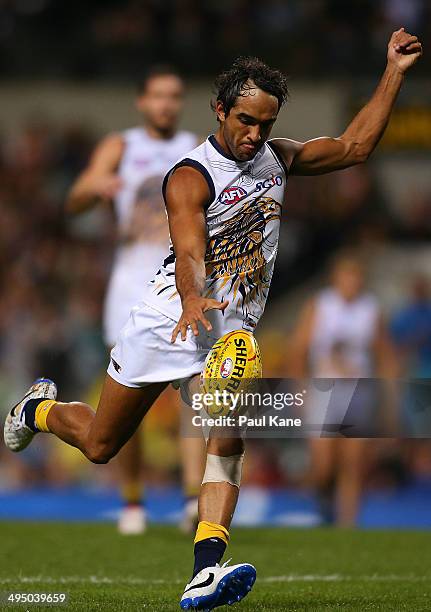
x: 99, y: 436
x: 213, y: 585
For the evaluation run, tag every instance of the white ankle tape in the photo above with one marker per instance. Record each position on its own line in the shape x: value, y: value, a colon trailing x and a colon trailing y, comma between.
x: 224, y: 469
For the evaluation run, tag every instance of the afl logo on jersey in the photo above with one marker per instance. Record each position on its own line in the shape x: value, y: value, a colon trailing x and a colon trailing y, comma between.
x: 232, y: 195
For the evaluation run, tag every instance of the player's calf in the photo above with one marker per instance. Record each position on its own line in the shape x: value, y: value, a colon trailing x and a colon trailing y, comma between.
x: 73, y: 423
x: 99, y: 451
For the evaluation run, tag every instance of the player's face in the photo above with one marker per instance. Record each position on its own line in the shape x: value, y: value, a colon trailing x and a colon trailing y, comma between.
x: 348, y: 279
x: 249, y: 123
x: 162, y: 101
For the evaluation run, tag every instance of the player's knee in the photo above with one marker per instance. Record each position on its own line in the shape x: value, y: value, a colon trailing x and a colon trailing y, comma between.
x: 100, y: 452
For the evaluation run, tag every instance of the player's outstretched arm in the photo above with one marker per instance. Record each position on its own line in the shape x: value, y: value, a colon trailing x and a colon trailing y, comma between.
x: 99, y: 181
x: 323, y: 155
x: 186, y: 195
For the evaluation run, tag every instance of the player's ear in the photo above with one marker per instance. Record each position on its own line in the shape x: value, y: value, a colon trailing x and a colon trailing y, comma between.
x: 221, y: 116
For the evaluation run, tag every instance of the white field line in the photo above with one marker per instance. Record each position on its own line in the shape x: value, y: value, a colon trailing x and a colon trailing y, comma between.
x: 132, y: 580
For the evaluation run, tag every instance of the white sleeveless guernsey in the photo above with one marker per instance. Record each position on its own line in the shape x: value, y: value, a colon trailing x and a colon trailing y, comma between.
x: 141, y: 217
x: 243, y: 219
x: 342, y: 335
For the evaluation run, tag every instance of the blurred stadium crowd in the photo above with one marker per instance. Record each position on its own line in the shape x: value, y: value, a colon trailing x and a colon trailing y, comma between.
x: 108, y: 40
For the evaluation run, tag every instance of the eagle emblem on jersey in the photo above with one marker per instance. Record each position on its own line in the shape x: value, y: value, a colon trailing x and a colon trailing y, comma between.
x: 235, y: 257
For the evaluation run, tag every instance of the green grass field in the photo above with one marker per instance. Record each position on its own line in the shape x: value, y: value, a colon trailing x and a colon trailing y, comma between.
x: 320, y: 569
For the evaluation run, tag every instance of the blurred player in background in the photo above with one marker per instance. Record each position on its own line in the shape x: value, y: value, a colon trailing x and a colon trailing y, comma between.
x: 340, y: 334
x: 127, y: 170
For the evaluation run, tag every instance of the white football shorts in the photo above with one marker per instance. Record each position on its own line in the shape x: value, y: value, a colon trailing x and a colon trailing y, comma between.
x: 144, y: 353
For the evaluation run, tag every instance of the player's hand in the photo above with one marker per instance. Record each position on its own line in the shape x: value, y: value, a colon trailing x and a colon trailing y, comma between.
x: 404, y: 50
x: 193, y: 313
x: 107, y: 187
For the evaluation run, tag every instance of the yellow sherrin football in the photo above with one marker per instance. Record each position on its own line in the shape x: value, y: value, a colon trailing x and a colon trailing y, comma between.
x: 232, y: 362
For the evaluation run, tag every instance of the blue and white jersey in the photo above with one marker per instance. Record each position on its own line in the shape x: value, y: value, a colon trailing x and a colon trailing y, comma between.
x: 243, y: 219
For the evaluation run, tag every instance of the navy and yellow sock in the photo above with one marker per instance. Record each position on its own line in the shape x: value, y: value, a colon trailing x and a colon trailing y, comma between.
x: 211, y: 541
x: 36, y: 412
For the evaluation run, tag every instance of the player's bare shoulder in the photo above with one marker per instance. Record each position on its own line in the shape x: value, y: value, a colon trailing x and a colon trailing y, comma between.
x: 286, y: 148
x: 186, y: 182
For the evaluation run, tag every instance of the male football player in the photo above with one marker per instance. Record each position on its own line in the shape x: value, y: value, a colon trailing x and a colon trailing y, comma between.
x: 224, y: 203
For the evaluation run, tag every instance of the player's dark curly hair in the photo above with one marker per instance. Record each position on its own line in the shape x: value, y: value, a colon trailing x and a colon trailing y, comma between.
x: 235, y: 82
